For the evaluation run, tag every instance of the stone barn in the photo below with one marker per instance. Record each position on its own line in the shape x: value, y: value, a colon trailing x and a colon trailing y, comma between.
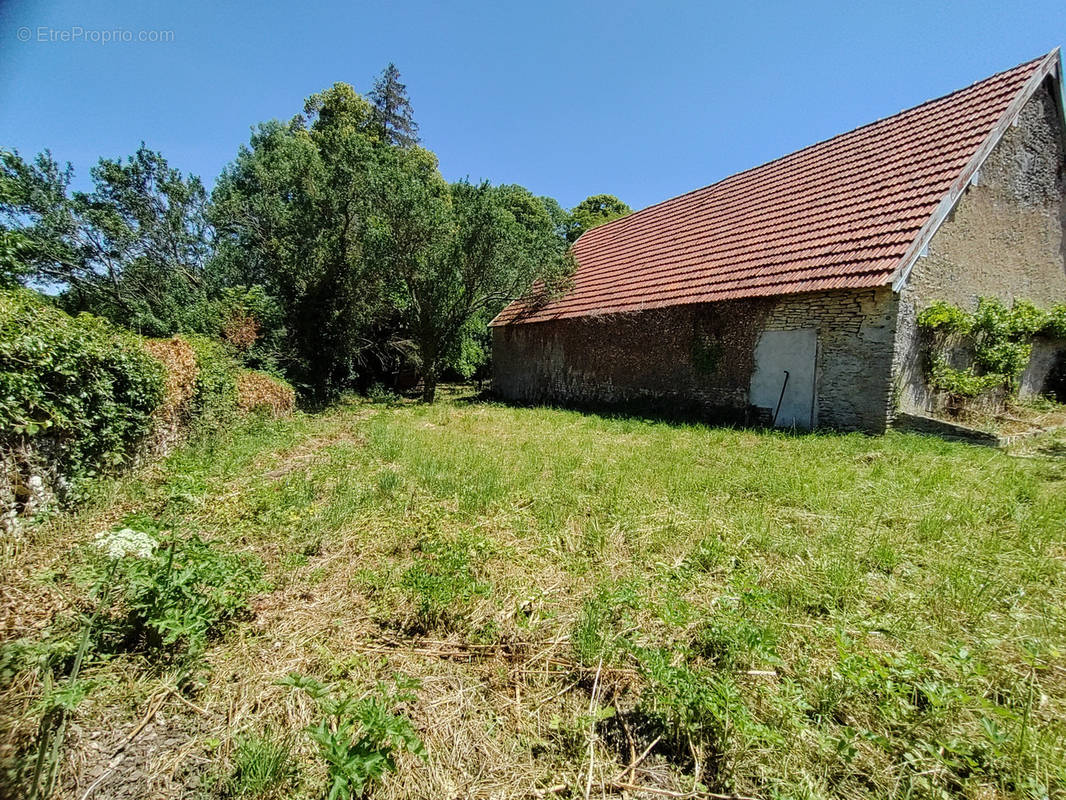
x: 791, y: 290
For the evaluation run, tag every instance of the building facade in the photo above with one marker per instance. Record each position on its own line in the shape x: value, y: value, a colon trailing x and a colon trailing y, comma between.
x: 850, y: 357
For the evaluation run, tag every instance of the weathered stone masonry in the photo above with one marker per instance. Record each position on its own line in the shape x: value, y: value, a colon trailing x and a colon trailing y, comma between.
x: 700, y: 358
x: 1006, y: 238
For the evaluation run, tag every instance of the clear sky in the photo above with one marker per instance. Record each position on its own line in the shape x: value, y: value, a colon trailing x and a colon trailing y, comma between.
x: 644, y: 100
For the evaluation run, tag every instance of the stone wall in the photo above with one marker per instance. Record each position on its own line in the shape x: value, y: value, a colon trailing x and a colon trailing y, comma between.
x: 855, y: 334
x: 699, y: 359
x: 1006, y: 238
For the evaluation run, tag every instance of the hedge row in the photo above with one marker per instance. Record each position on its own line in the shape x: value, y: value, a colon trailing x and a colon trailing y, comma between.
x: 80, y: 397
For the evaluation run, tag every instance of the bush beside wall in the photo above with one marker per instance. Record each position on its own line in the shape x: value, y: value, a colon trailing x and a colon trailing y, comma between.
x: 77, y: 397
x: 81, y: 398
x: 214, y: 401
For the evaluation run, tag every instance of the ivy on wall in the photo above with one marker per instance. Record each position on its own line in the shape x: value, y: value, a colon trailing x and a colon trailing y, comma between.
x: 706, y: 353
x: 999, y: 338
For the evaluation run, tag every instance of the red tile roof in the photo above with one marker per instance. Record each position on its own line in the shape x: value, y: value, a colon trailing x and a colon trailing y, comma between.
x: 843, y: 213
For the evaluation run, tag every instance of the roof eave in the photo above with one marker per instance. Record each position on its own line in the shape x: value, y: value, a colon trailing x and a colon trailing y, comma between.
x: 1050, y: 65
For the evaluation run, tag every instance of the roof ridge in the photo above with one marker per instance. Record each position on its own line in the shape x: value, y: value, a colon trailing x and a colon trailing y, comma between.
x: 813, y: 145
x: 848, y: 212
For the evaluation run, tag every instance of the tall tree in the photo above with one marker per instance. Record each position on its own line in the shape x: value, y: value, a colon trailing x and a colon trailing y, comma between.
x: 291, y: 213
x: 392, y: 109
x: 133, y: 249
x: 593, y: 211
x: 459, y: 252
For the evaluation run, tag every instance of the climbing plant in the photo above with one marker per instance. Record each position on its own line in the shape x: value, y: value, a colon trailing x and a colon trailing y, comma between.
x: 999, y: 337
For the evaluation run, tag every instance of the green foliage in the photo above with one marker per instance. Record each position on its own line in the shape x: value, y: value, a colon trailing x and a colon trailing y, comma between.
x: 962, y: 382
x: 237, y: 314
x: 176, y: 598
x: 14, y: 253
x: 944, y: 317
x: 263, y: 766
x: 596, y: 635
x: 375, y: 260
x: 359, y: 737
x: 214, y: 398
x: 132, y: 250
x: 459, y: 253
x: 700, y: 711
x: 1056, y: 322
x: 392, y: 109
x: 595, y: 210
x: 731, y: 640
x: 291, y: 215
x: 87, y: 386
x: 999, y: 337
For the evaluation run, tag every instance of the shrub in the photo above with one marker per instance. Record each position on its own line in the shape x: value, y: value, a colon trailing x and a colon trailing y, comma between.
x: 1055, y: 327
x: 257, y: 391
x: 249, y: 321
x: 178, y: 593
x: 945, y: 318
x: 214, y: 400
x: 963, y: 383
x: 1001, y: 340
x: 84, y: 385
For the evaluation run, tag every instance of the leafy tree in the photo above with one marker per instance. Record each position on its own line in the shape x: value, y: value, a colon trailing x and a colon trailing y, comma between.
x: 392, y: 109
x: 593, y: 211
x: 459, y: 253
x: 562, y: 220
x: 37, y: 215
x: 133, y: 249
x: 291, y: 213
x: 14, y: 251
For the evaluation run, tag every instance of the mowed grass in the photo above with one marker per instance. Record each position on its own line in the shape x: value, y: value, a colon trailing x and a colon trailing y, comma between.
x: 602, y: 606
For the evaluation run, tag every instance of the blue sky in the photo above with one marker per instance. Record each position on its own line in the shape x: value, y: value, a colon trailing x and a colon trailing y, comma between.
x: 644, y: 100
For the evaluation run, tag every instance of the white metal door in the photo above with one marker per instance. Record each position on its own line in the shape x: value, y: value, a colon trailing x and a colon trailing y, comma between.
x: 784, y: 376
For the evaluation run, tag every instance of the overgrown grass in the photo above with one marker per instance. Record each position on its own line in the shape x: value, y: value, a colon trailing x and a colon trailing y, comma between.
x: 774, y: 615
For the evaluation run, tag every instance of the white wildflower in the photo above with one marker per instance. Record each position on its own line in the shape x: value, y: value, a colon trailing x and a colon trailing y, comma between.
x: 126, y: 542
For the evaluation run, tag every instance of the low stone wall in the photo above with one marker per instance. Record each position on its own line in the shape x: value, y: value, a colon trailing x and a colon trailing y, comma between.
x: 919, y: 423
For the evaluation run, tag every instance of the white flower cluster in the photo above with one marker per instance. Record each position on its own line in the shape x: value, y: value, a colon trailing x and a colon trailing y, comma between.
x: 126, y: 542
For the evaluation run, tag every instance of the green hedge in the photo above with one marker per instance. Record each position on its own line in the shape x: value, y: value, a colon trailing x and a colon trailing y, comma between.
x: 214, y: 401
x: 82, y: 388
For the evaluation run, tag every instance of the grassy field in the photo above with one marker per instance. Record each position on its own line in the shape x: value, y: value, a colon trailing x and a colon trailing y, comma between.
x: 592, y: 607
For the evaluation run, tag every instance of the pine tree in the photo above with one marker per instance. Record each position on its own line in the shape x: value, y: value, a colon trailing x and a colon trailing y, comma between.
x: 393, y: 108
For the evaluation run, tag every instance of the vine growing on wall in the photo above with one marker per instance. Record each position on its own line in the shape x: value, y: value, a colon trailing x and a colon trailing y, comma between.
x: 999, y: 338
x: 706, y: 354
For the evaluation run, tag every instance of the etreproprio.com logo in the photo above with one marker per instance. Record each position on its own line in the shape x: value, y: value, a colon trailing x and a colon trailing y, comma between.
x: 76, y: 34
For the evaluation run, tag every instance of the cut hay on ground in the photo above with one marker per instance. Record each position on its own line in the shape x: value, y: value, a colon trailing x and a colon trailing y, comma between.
x: 257, y: 391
